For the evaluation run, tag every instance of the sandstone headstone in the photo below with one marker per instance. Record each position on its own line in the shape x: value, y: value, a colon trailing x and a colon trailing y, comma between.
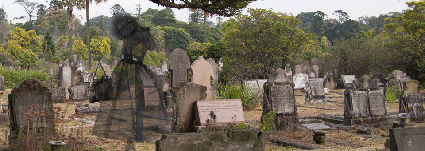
x: 202, y: 71
x: 29, y: 96
x: 315, y: 92
x: 377, y: 103
x: 2, y: 87
x: 412, y: 86
x: 178, y: 64
x: 58, y: 94
x: 300, y: 80
x: 78, y: 93
x: 219, y: 111
x: 185, y: 96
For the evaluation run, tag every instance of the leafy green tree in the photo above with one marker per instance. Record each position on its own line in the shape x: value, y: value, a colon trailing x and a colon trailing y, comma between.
x: 149, y: 14
x: 196, y: 49
x: 101, y: 47
x: 80, y: 49
x: 26, y: 58
x: 176, y: 38
x: 312, y: 22
x: 164, y: 18
x: 196, y: 31
x: 154, y: 59
x: 260, y: 43
x: 3, y: 15
x: 48, y: 45
x: 222, y: 8
x: 196, y: 16
x: 117, y: 10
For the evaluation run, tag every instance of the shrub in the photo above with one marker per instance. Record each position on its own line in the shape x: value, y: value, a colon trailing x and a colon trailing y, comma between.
x: 237, y: 91
x: 268, y: 122
x: 13, y: 78
x: 390, y: 94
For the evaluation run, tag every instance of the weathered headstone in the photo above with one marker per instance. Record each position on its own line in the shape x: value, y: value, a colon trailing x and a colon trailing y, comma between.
x: 58, y: 94
x: 316, y: 70
x: 330, y: 81
x: 78, y: 93
x: 300, y: 80
x: 219, y: 111
x: 28, y: 98
x: 279, y: 98
x: 179, y: 64
x: 407, y: 138
x: 164, y: 66
x: 298, y: 69
x: 312, y: 74
x: 255, y: 87
x: 359, y: 103
x: 377, y: 103
x: 202, y: 71
x: 65, y: 77
x: 365, y: 82
x: 412, y: 103
x: 2, y: 87
x: 397, y: 79
x: 315, y: 92
x: 348, y: 79
x: 288, y: 72
x: 215, y: 76
x: 185, y: 96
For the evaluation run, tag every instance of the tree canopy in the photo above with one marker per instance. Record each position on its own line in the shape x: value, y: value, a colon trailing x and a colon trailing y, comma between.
x: 219, y: 7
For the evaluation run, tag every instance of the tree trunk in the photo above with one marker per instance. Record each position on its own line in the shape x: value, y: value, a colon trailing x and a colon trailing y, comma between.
x: 70, y: 24
x: 205, y: 27
x: 88, y: 33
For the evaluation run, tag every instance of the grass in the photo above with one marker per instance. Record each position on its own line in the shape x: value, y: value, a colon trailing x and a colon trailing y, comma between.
x: 237, y: 91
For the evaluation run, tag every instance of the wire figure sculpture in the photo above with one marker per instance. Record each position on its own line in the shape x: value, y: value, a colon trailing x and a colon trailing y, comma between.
x: 124, y: 112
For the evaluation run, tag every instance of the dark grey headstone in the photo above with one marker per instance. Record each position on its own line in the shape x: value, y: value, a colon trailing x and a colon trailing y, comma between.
x: 78, y: 93
x: 282, y: 98
x: 359, y: 103
x: 377, y: 103
x: 407, y: 139
x: 185, y: 96
x: 58, y: 94
x: 178, y: 64
x: 29, y: 96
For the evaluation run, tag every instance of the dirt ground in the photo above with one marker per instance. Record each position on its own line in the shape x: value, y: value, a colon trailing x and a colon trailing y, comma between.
x: 335, y: 139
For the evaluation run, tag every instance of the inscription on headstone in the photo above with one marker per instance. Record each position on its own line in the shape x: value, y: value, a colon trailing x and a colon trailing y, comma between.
x: 300, y: 80
x: 359, y: 103
x: 282, y: 98
x: 78, y: 93
x: 224, y: 111
x: 377, y: 103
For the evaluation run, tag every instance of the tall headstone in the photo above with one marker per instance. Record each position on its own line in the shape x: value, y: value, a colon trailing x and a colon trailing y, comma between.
x: 316, y: 70
x: 330, y: 81
x: 185, y: 96
x: 315, y: 92
x: 28, y: 98
x: 215, y: 76
x: 279, y: 98
x: 288, y: 72
x: 2, y: 87
x: 65, y: 77
x: 58, y: 94
x: 164, y: 66
x: 202, y: 71
x: 178, y: 65
x: 377, y: 103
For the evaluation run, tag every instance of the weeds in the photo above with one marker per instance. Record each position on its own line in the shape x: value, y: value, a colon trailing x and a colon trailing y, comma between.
x: 268, y: 122
x: 13, y: 78
x: 237, y: 91
x: 390, y: 94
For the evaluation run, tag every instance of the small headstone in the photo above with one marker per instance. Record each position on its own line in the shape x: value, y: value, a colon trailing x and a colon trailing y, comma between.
x: 366, y: 82
x: 86, y: 109
x: 315, y: 92
x: 288, y: 72
x: 312, y: 74
x: 348, y: 79
x: 298, y: 69
x: 412, y: 86
x: 279, y: 75
x: 330, y: 82
x: 2, y: 87
x: 185, y: 96
x: 58, y: 94
x: 219, y: 111
x: 29, y: 97
x: 300, y: 80
x: 202, y: 71
x: 164, y: 66
x: 407, y: 138
x: 78, y: 93
x: 178, y: 64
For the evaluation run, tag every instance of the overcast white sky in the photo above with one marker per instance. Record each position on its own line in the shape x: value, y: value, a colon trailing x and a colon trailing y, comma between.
x: 354, y: 8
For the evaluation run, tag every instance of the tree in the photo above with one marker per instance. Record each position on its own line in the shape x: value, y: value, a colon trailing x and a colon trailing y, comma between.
x: 80, y: 49
x: 149, y: 14
x: 164, y: 18
x: 196, y: 31
x: 260, y: 43
x: 48, y: 45
x: 3, y: 15
x: 222, y: 8
x: 28, y: 6
x: 117, y: 10
x: 26, y: 58
x: 101, y: 47
x: 153, y: 58
x: 41, y: 9
x: 25, y: 39
x: 196, y: 49
x: 312, y: 22
x: 196, y: 16
x: 176, y: 38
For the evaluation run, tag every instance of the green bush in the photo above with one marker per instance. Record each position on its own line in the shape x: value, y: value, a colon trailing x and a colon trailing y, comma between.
x: 13, y: 78
x: 268, y: 122
x: 237, y: 91
x: 390, y: 94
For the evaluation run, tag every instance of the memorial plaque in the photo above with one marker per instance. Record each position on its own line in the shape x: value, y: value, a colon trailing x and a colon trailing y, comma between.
x: 179, y: 63
x: 377, y: 103
x: 151, y: 96
x: 359, y: 103
x: 282, y: 98
x: 224, y: 111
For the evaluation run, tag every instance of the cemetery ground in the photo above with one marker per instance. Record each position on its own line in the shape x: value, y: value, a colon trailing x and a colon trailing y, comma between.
x: 77, y: 129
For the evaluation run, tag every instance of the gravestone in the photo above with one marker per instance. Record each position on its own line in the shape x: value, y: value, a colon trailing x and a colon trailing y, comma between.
x: 298, y: 69
x: 58, y: 94
x: 255, y: 87
x: 316, y: 70
x: 78, y: 93
x: 9, y: 64
x: 312, y: 74
x: 215, y: 76
x: 219, y: 111
x: 88, y: 78
x: 315, y: 92
x: 202, y: 71
x: 397, y: 79
x: 29, y: 97
x: 377, y: 103
x: 107, y: 71
x: 185, y: 96
x: 65, y: 77
x: 412, y: 103
x: 300, y: 80
x: 2, y: 87
x: 348, y: 79
x: 178, y: 65
x: 359, y: 103
x: 164, y: 66
x: 365, y: 82
x: 288, y: 72
x: 330, y: 81
x: 407, y: 139
x: 279, y: 97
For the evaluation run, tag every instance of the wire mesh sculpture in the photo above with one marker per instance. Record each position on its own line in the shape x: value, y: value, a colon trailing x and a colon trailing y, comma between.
x: 124, y: 112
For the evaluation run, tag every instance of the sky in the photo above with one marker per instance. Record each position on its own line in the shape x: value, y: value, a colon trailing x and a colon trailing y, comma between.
x: 354, y: 8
